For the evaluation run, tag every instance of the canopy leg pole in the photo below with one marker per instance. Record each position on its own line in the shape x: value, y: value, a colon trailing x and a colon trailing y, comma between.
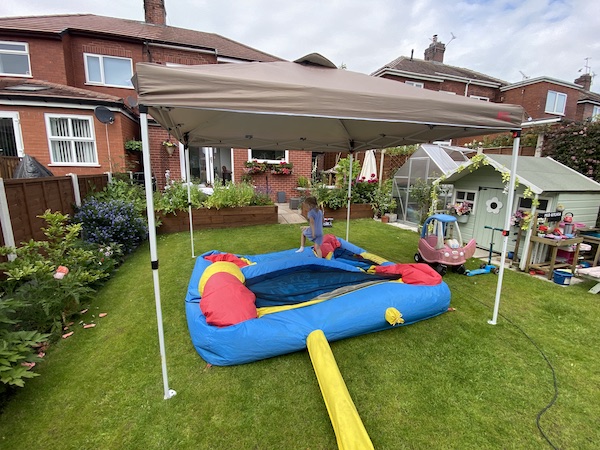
x: 381, y: 167
x: 189, y: 183
x: 506, y: 231
x: 153, y: 250
x: 349, y: 197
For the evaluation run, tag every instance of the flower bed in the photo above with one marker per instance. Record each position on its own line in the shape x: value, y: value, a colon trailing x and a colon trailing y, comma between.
x: 357, y: 211
x: 218, y: 218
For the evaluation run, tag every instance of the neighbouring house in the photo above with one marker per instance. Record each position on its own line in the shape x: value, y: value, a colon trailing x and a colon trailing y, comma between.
x: 544, y: 182
x: 544, y: 99
x: 66, y: 95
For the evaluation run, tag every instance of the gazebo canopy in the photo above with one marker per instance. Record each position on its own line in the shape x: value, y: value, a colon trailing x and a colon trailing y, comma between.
x: 308, y: 104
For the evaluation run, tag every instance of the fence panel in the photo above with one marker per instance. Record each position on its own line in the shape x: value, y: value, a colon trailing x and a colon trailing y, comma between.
x: 29, y: 198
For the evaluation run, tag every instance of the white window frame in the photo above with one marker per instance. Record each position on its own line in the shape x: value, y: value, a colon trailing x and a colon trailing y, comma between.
x: 102, y: 82
x: 595, y: 113
x: 415, y: 84
x: 17, y: 52
x: 553, y: 109
x: 14, y: 116
x: 269, y: 161
x: 461, y: 195
x: 72, y: 140
x: 538, y: 209
x: 479, y: 97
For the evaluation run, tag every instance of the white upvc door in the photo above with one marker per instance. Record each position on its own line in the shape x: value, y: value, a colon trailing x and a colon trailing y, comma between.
x: 11, y: 139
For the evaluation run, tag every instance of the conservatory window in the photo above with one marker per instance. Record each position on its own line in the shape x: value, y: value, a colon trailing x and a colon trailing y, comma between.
x: 268, y: 156
x: 555, y: 102
x: 71, y: 140
x: 14, y: 59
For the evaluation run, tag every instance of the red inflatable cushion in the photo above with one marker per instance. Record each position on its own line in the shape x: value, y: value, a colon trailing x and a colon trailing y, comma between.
x: 227, y: 301
x: 418, y: 273
x: 330, y: 243
x: 230, y: 257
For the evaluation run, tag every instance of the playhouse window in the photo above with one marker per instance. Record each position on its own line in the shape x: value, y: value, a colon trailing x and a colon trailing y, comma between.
x: 527, y: 204
x: 465, y: 196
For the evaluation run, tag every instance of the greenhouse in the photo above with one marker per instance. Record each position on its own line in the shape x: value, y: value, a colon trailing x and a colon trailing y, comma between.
x: 427, y: 164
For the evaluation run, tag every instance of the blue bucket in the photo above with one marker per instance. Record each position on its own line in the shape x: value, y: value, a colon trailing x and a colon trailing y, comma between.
x: 562, y: 277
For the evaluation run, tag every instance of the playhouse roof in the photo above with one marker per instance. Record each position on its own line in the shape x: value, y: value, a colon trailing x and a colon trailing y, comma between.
x: 539, y: 174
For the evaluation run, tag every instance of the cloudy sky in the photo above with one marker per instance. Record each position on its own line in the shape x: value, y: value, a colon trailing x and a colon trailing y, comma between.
x: 506, y: 39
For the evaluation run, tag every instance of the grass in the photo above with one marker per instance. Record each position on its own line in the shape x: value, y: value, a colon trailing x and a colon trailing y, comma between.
x: 453, y: 381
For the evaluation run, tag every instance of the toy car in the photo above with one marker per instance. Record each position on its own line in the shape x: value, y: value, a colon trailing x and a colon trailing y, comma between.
x: 441, y: 244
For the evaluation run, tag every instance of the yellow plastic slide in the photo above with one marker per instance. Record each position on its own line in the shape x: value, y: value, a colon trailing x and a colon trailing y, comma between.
x: 347, y: 425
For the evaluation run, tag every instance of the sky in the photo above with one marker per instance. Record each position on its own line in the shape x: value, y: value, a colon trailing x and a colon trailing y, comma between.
x: 507, y: 39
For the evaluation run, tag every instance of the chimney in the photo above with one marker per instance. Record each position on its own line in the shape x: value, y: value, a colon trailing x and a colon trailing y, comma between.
x: 435, y: 51
x: 585, y: 81
x: 154, y: 12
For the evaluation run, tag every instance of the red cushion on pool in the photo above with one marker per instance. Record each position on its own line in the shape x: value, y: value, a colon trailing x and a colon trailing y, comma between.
x: 227, y: 301
x: 419, y: 273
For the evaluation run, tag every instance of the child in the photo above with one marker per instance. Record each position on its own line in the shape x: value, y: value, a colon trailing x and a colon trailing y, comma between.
x: 315, y: 231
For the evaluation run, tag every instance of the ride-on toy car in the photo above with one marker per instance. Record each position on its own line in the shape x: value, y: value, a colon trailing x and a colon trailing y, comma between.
x: 441, y: 244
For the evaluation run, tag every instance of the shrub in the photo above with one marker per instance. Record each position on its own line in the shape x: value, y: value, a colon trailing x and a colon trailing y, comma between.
x: 112, y: 221
x: 230, y: 195
x: 175, y: 197
x: 33, y: 301
x: 126, y: 190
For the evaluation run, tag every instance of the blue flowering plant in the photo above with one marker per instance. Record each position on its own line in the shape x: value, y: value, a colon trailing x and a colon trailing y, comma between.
x: 112, y: 222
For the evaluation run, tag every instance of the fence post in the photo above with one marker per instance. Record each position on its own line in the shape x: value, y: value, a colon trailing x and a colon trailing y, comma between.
x: 7, y: 231
x: 76, y: 191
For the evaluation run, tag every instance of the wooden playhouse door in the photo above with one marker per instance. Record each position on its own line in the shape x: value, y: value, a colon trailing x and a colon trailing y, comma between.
x: 491, y: 211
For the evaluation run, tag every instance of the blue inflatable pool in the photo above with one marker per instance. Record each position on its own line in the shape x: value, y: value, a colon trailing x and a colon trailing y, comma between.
x: 346, y: 295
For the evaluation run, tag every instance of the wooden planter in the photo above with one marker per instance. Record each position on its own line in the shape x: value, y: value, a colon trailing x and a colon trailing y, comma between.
x: 357, y: 211
x: 218, y: 218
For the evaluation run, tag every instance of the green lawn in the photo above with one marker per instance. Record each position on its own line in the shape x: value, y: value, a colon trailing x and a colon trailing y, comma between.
x: 453, y: 381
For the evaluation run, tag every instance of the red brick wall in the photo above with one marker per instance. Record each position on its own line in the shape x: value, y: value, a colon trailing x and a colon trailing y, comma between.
x: 160, y: 159
x: 273, y: 184
x: 452, y: 86
x: 35, y: 139
x: 533, y: 98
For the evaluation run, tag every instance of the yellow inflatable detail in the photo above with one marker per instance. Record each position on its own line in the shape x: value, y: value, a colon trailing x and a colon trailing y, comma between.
x: 350, y: 432
x: 393, y: 316
x: 220, y: 266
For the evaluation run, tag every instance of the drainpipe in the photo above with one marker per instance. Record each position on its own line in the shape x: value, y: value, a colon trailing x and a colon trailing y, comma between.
x: 467, y: 88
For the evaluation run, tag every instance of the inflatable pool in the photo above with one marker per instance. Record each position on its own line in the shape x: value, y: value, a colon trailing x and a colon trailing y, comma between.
x: 242, y: 309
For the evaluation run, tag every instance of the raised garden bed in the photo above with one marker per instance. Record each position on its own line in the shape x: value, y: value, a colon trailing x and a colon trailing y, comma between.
x: 357, y: 211
x: 218, y: 218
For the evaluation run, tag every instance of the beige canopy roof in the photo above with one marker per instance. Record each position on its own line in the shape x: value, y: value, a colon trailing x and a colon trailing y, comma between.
x: 307, y: 105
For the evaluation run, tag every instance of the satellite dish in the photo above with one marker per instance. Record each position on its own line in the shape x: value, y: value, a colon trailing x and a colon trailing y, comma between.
x: 103, y: 114
x: 131, y: 101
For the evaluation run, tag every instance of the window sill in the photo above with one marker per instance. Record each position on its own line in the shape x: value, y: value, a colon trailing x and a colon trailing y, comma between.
x: 109, y: 85
x: 73, y: 165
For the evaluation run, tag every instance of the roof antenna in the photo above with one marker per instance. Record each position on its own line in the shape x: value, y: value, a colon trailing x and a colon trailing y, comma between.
x: 453, y: 37
x: 412, y: 52
x: 525, y: 77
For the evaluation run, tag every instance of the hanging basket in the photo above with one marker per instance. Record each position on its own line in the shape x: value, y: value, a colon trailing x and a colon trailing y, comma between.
x: 462, y: 219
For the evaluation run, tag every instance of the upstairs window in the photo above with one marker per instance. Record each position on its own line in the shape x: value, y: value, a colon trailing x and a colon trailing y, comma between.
x: 71, y: 140
x: 14, y: 59
x: 555, y: 102
x: 596, y: 114
x: 415, y: 84
x: 108, y: 70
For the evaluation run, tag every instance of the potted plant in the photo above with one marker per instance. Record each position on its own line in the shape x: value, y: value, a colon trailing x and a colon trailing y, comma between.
x: 254, y: 167
x: 383, y: 202
x: 461, y: 210
x: 282, y: 168
x: 169, y: 147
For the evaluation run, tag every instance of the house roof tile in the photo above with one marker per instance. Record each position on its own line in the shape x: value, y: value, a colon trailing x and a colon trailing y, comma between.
x: 132, y: 29
x: 34, y: 89
x: 436, y: 69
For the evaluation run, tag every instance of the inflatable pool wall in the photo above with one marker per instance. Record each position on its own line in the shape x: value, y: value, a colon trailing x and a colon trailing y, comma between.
x: 359, y: 311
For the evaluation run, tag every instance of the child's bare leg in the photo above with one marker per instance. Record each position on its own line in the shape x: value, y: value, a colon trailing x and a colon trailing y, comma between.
x: 318, y: 251
x: 302, y: 242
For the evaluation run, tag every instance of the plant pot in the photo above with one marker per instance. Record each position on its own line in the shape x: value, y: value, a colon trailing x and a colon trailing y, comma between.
x: 462, y: 219
x: 385, y: 219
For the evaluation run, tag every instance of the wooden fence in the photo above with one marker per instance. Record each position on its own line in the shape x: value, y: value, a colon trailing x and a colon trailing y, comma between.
x: 23, y: 200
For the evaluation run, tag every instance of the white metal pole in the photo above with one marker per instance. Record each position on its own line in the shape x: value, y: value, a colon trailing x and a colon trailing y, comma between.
x: 189, y: 184
x: 153, y: 250
x: 506, y: 231
x: 5, y: 221
x: 381, y: 167
x: 349, y: 198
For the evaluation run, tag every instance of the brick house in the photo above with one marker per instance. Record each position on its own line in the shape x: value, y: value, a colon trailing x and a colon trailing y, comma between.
x: 55, y: 71
x: 544, y: 99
